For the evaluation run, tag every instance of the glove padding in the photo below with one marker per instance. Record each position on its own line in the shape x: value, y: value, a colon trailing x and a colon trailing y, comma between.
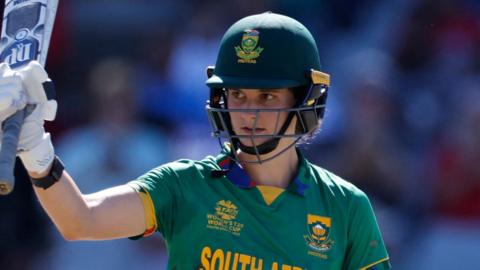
x: 35, y: 147
x: 40, y: 90
x: 12, y: 95
x: 30, y: 86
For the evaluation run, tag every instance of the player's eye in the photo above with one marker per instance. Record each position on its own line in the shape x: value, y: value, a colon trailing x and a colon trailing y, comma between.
x: 236, y: 94
x: 267, y: 97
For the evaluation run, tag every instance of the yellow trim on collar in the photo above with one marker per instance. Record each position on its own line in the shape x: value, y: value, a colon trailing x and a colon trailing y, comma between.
x: 270, y: 193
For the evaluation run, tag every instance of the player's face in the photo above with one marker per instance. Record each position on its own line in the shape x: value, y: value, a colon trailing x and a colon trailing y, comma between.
x: 259, y: 123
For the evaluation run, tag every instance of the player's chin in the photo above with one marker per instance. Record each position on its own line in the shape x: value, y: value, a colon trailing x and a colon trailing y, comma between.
x: 251, y: 142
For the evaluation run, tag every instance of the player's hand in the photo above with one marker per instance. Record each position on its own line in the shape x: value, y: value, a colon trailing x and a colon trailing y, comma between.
x: 36, y: 91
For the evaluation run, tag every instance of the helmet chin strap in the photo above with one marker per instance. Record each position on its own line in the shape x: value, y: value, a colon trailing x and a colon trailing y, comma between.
x: 267, y: 146
x: 262, y: 149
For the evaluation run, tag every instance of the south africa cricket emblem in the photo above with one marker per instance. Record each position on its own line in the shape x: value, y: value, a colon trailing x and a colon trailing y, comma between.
x: 318, y: 238
x: 249, y: 50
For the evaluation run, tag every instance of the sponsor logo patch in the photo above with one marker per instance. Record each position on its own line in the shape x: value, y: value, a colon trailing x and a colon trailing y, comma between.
x: 20, y: 52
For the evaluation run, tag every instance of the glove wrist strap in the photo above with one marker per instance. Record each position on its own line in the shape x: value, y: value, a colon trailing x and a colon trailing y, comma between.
x: 52, y: 177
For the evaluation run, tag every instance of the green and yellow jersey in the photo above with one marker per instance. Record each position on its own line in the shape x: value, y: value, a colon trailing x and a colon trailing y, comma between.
x: 213, y: 216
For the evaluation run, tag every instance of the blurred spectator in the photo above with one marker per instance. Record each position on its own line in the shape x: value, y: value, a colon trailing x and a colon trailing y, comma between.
x: 159, y: 103
x: 455, y: 171
x: 454, y: 227
x: 438, y: 55
x: 371, y: 155
x: 114, y: 148
x: 116, y: 145
x: 193, y: 50
x: 367, y: 152
x: 439, y: 35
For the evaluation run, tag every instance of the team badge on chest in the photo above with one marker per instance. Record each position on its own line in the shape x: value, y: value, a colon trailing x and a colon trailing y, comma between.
x: 318, y: 237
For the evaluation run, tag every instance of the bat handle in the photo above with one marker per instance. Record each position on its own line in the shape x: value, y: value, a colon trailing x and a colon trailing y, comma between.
x: 8, y: 151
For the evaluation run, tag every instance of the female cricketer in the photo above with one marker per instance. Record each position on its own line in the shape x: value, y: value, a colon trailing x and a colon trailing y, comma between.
x: 259, y: 204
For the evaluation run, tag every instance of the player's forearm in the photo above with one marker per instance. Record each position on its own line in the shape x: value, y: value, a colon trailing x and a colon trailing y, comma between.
x: 111, y: 213
x: 66, y: 206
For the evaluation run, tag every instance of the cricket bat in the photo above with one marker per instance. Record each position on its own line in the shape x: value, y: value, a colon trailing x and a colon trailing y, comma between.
x: 26, y: 30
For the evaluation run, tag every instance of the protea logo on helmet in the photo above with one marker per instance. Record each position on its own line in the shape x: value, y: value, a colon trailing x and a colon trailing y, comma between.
x: 248, y: 51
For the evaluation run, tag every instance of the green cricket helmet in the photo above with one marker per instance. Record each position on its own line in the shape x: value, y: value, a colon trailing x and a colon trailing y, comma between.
x: 267, y: 51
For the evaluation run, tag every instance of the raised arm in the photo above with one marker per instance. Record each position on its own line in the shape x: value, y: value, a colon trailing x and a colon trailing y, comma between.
x: 112, y: 213
x: 108, y: 214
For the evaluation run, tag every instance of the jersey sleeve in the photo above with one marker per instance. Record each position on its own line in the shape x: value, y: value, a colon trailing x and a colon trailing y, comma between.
x: 366, y: 249
x: 158, y: 190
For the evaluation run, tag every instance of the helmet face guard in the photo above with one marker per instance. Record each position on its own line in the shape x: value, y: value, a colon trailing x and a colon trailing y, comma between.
x: 308, y: 110
x: 267, y: 51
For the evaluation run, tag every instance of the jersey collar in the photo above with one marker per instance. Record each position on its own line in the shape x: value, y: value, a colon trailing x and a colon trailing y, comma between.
x: 240, y: 178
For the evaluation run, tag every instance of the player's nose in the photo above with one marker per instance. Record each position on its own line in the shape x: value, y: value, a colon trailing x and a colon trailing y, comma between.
x: 249, y: 113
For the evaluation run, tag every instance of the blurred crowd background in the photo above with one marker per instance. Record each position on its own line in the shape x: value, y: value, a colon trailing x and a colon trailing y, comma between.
x: 402, y: 121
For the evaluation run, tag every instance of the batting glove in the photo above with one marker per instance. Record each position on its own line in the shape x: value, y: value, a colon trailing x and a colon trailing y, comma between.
x: 12, y: 95
x: 30, y: 86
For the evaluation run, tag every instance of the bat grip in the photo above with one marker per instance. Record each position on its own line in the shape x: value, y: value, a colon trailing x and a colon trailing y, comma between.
x: 8, y: 151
